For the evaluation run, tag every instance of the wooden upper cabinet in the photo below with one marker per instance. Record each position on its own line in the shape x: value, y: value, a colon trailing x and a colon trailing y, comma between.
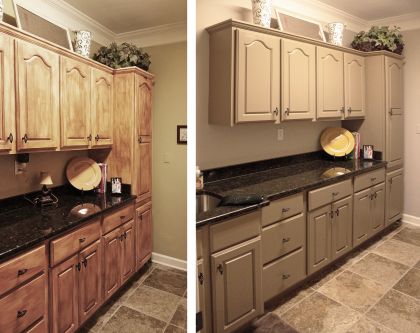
x: 354, y: 86
x: 298, y: 80
x: 101, y: 107
x: 257, y: 77
x: 74, y: 103
x: 143, y: 108
x: 330, y: 83
x: 37, y: 74
x: 7, y: 95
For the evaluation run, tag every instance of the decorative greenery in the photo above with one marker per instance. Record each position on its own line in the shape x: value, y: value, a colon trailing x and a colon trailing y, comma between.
x: 379, y: 38
x: 123, y: 55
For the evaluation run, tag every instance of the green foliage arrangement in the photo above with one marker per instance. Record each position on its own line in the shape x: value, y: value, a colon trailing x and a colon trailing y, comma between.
x: 123, y: 55
x: 379, y: 38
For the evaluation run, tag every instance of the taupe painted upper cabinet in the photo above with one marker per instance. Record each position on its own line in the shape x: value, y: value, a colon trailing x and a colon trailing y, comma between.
x: 258, y: 77
x: 298, y: 80
x: 330, y: 83
x: 354, y: 86
x: 75, y: 103
x: 395, y: 195
x: 7, y: 95
x: 37, y: 74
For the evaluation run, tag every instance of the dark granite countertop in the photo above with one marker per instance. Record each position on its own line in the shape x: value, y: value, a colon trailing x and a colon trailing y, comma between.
x: 288, y: 176
x: 23, y: 225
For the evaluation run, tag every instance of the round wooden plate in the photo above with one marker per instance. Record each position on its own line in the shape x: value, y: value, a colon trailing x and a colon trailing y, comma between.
x: 337, y: 141
x: 83, y: 173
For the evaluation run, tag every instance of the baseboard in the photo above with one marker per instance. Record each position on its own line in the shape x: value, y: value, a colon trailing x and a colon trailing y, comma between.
x: 169, y: 261
x: 411, y: 219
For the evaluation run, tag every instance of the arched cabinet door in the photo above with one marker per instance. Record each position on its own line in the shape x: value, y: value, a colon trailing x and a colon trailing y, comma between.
x: 37, y: 73
x: 354, y: 86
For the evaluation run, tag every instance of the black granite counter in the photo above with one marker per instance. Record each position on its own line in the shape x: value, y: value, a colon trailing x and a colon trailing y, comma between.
x: 23, y: 225
x: 277, y: 178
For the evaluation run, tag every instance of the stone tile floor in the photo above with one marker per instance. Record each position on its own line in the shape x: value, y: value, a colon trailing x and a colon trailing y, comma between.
x: 375, y: 289
x: 154, y: 300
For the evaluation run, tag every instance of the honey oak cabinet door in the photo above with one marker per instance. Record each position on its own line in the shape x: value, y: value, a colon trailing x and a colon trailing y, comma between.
x: 143, y: 103
x: 354, y: 86
x: 361, y: 216
x: 90, y: 281
x: 111, y: 250
x: 37, y: 75
x: 65, y: 296
x: 330, y: 83
x: 143, y: 234
x: 395, y: 196
x: 101, y: 107
x: 319, y: 238
x: 298, y: 80
x: 143, y: 169
x: 257, y: 77
x: 377, y: 220
x: 74, y: 103
x: 7, y: 96
x: 342, y: 226
x: 236, y: 285
x: 128, y: 251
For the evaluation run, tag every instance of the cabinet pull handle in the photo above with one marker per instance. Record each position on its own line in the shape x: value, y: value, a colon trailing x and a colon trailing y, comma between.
x: 84, y: 262
x: 375, y: 194
x: 349, y: 110
x: 285, y: 276
x: 125, y: 234
x: 201, y: 278
x: 342, y: 109
x: 78, y: 266
x: 82, y: 240
x: 337, y: 212
x: 10, y: 138
x: 25, y: 138
x: 276, y: 111
x: 285, y: 210
x: 287, y: 111
x: 121, y: 237
x: 335, y: 194
x: 390, y: 112
x: 220, y: 269
x: 331, y: 215
x: 140, y: 139
x: 21, y: 313
x: 286, y: 239
x: 122, y: 217
x: 97, y: 137
x: 373, y: 179
x: 22, y: 271
x: 89, y: 137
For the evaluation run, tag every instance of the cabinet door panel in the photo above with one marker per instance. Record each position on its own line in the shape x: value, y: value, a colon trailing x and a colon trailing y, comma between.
x: 378, y: 208
x: 361, y: 216
x: 354, y: 86
x: 330, y: 83
x: 128, y: 251
x: 298, y: 80
x: 143, y: 107
x: 395, y: 138
x: 143, y: 170
x: 395, y: 196
x: 111, y: 269
x: 7, y: 96
x: 74, y: 103
x: 319, y: 238
x: 341, y: 235
x: 144, y: 234
x: 394, y: 79
x: 257, y: 76
x: 37, y: 73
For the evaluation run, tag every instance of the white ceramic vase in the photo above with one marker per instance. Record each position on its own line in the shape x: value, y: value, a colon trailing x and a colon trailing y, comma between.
x: 83, y: 41
x: 335, y: 33
x: 261, y: 12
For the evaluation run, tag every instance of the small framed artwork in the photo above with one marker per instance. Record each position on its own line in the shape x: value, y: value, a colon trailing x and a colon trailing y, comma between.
x: 368, y: 152
x: 116, y: 185
x: 181, y: 134
x: 303, y: 27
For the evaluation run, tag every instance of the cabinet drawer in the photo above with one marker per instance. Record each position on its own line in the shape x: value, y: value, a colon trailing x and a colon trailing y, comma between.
x: 282, y: 274
x: 73, y: 242
x: 282, y: 209
x: 325, y: 195
x: 234, y: 231
x: 40, y: 327
x: 283, y: 237
x: 369, y: 179
x: 24, y: 306
x: 117, y: 218
x: 18, y: 270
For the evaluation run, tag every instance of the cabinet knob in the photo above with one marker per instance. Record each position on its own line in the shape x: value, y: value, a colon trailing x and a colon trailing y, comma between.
x: 331, y: 215
x: 342, y: 109
x: 122, y: 217
x: 89, y: 137
x: 25, y: 138
x: 140, y: 139
x: 97, y: 137
x: 276, y: 111
x: 220, y: 269
x: 201, y: 278
x: 78, y: 266
x: 334, y: 194
x: 286, y: 239
x: 337, y: 212
x: 22, y: 271
x: 285, y: 276
x: 373, y: 179
x: 285, y: 210
x: 82, y: 240
x: 21, y: 313
x: 84, y: 262
x: 349, y: 110
x: 287, y: 111
x: 10, y: 138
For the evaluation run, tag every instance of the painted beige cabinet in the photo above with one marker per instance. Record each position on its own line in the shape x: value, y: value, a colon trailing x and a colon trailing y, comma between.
x: 298, y: 80
x: 394, y: 196
x: 354, y: 86
x: 7, y: 96
x: 341, y: 232
x: 37, y: 100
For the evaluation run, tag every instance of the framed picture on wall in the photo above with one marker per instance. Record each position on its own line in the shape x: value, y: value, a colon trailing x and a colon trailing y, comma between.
x: 181, y: 134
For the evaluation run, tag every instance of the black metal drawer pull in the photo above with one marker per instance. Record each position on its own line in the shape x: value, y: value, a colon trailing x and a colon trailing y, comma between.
x: 78, y: 266
x: 285, y: 276
x: 201, y: 278
x: 22, y: 271
x: 84, y: 262
x: 21, y: 313
x: 25, y: 138
x: 10, y: 138
x: 220, y: 269
x: 286, y: 239
x: 285, y: 210
x: 82, y: 240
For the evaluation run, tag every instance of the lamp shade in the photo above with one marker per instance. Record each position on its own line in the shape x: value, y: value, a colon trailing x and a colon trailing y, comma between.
x: 45, y: 178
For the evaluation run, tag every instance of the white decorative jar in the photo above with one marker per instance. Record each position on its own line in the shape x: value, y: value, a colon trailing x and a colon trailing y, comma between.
x: 82, y: 43
x: 261, y: 12
x: 335, y: 33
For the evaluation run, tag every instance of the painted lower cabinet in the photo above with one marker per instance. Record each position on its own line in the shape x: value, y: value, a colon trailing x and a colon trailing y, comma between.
x: 394, y: 196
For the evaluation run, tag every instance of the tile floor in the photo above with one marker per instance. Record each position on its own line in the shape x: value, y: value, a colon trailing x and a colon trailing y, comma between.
x: 376, y: 289
x: 153, y: 301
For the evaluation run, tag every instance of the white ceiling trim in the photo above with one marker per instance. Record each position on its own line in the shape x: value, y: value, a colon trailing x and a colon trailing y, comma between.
x: 409, y: 21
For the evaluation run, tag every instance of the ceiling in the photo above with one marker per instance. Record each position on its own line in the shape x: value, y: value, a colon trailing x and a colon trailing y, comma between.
x: 129, y: 15
x: 372, y: 10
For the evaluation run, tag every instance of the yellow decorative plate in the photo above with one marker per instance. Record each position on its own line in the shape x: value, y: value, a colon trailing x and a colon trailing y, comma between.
x: 83, y: 173
x: 337, y: 141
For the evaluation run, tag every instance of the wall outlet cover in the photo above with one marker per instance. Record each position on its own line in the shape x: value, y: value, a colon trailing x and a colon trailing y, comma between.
x: 280, y: 134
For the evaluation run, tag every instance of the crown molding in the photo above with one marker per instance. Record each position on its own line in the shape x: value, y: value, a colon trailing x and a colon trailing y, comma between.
x: 409, y: 21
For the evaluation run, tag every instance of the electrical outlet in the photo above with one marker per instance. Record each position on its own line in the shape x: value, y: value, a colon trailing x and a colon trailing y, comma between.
x: 280, y: 134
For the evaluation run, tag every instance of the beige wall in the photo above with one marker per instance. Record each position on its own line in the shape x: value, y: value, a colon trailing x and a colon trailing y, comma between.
x: 169, y: 64
x: 220, y: 146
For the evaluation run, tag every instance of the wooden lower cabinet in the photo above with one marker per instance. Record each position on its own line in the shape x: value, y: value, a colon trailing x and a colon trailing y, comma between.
x: 143, y: 234
x: 201, y: 304
x: 394, y: 196
x: 236, y: 285
x: 111, y: 246
x: 128, y: 254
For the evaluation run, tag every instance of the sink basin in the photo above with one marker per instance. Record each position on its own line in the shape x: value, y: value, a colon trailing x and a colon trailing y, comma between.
x: 205, y: 201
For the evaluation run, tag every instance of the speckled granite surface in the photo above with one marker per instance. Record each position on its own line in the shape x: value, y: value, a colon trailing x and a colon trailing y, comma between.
x: 288, y: 176
x: 23, y: 226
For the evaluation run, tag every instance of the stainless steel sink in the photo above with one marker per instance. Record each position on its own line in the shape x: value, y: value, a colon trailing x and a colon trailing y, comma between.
x: 205, y: 201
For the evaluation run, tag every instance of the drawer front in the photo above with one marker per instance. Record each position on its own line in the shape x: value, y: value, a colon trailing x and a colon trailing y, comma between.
x: 40, y: 327
x: 283, y: 237
x: 24, y: 306
x: 20, y: 269
x: 328, y: 194
x: 73, y: 242
x: 117, y: 218
x: 369, y: 179
x: 234, y: 231
x: 282, y: 209
x: 282, y: 274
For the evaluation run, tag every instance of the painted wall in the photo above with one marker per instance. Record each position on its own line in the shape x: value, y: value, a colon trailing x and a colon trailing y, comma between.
x: 218, y: 145
x: 169, y: 64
